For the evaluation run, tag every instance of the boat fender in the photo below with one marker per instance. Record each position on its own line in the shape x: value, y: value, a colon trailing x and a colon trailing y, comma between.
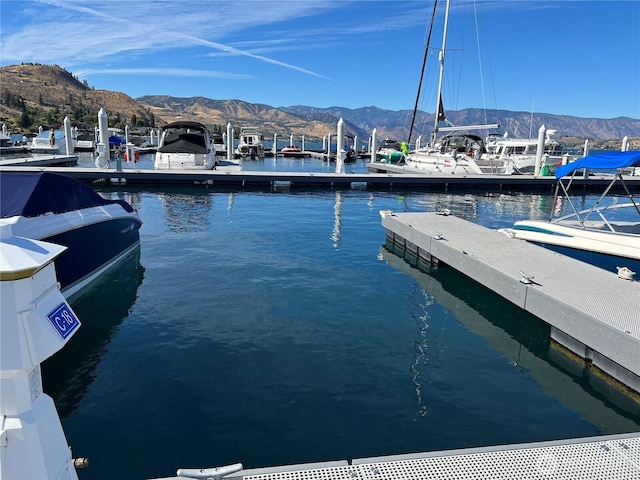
x: 136, y: 157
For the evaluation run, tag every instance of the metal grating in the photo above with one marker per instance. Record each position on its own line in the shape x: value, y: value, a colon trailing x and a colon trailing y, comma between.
x: 604, y: 460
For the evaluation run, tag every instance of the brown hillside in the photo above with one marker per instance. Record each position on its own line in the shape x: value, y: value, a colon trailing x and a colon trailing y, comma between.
x: 49, y: 93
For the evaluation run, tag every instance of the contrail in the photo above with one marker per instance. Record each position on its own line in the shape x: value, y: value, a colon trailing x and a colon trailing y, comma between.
x: 199, y: 41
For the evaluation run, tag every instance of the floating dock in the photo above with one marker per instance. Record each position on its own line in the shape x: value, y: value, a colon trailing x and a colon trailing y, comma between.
x: 230, y: 175
x: 40, y: 161
x: 611, y: 457
x: 592, y: 313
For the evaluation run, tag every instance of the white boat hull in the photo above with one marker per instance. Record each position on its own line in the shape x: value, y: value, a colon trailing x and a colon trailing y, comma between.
x: 434, y: 162
x: 606, y: 242
x: 181, y: 161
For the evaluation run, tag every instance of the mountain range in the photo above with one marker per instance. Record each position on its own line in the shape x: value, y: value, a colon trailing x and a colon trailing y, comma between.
x: 35, y: 94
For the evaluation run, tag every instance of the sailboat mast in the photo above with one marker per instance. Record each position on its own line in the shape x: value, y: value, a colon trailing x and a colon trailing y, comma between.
x: 441, y: 59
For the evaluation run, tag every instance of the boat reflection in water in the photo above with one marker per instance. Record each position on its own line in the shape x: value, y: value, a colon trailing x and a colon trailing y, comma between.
x: 102, y: 308
x: 522, y: 338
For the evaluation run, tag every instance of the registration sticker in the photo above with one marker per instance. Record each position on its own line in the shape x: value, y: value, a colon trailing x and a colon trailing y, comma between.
x: 64, y: 320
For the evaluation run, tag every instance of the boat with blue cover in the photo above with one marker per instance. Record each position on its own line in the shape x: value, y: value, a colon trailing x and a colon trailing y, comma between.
x: 607, y: 234
x: 97, y: 232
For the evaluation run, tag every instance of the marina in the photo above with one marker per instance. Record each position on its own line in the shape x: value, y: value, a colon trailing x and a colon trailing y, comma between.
x: 316, y: 275
x: 274, y: 361
x: 590, y: 336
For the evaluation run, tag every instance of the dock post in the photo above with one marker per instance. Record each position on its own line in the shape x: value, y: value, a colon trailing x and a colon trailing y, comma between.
x: 67, y: 136
x: 625, y: 144
x: 274, y: 148
x: 229, y: 142
x: 36, y: 322
x: 541, y: 134
x: 374, y: 141
x: 102, y: 161
x: 129, y: 146
x: 340, y: 152
x: 585, y: 150
x: 302, y: 146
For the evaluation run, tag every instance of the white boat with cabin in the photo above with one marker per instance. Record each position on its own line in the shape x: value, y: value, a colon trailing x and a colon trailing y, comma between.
x: 250, y: 143
x: 185, y: 145
x: 522, y: 152
x: 606, y: 235
x: 51, y: 142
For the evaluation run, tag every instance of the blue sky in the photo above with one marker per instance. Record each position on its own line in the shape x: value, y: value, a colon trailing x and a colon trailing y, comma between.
x: 579, y: 57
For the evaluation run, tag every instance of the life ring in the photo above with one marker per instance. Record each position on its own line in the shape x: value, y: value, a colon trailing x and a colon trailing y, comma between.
x: 136, y: 157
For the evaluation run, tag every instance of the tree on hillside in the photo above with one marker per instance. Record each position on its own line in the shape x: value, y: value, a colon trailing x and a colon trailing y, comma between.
x: 25, y: 120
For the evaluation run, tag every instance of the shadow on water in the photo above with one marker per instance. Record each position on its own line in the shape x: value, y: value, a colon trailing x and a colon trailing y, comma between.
x: 520, y: 336
x: 101, y: 309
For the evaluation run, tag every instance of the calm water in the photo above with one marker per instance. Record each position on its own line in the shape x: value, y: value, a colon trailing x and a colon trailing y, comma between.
x: 275, y: 328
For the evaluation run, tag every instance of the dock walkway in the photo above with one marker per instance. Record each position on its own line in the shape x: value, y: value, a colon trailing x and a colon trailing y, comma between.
x: 229, y: 174
x: 592, y: 312
x: 612, y: 457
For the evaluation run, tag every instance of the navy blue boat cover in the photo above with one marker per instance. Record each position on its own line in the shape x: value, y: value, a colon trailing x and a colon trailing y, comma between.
x: 33, y: 194
x: 602, y: 161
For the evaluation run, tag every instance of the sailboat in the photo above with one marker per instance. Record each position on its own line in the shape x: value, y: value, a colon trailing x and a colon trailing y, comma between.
x: 458, y: 151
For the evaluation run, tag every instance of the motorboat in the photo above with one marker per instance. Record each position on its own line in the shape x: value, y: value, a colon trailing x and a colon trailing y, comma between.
x: 219, y: 147
x: 293, y: 151
x: 523, y: 151
x: 51, y: 142
x: 97, y: 232
x: 608, y: 233
x: 458, y: 151
x: 185, y: 145
x: 85, y: 142
x: 290, y: 149
x: 12, y: 143
x: 390, y: 152
x: 250, y: 143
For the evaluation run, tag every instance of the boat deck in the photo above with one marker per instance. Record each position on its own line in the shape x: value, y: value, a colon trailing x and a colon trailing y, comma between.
x: 592, y: 312
x: 612, y: 457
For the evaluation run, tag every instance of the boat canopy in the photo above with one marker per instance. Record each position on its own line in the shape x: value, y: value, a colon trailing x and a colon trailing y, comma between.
x: 34, y: 194
x: 601, y: 161
x: 184, y: 137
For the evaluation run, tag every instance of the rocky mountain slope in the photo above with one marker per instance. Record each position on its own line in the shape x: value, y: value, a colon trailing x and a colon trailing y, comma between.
x: 34, y: 95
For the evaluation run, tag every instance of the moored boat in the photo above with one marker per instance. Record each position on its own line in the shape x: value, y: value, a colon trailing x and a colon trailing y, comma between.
x: 86, y: 142
x: 185, y: 145
x: 458, y: 152
x: 390, y: 151
x: 523, y: 151
x: 606, y: 235
x: 51, y: 142
x: 98, y: 233
x: 250, y: 143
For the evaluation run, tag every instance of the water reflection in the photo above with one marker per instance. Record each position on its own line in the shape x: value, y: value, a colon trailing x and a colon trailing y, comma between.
x: 524, y: 340
x: 188, y: 211
x: 337, y: 220
x: 101, y: 309
x: 423, y: 302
